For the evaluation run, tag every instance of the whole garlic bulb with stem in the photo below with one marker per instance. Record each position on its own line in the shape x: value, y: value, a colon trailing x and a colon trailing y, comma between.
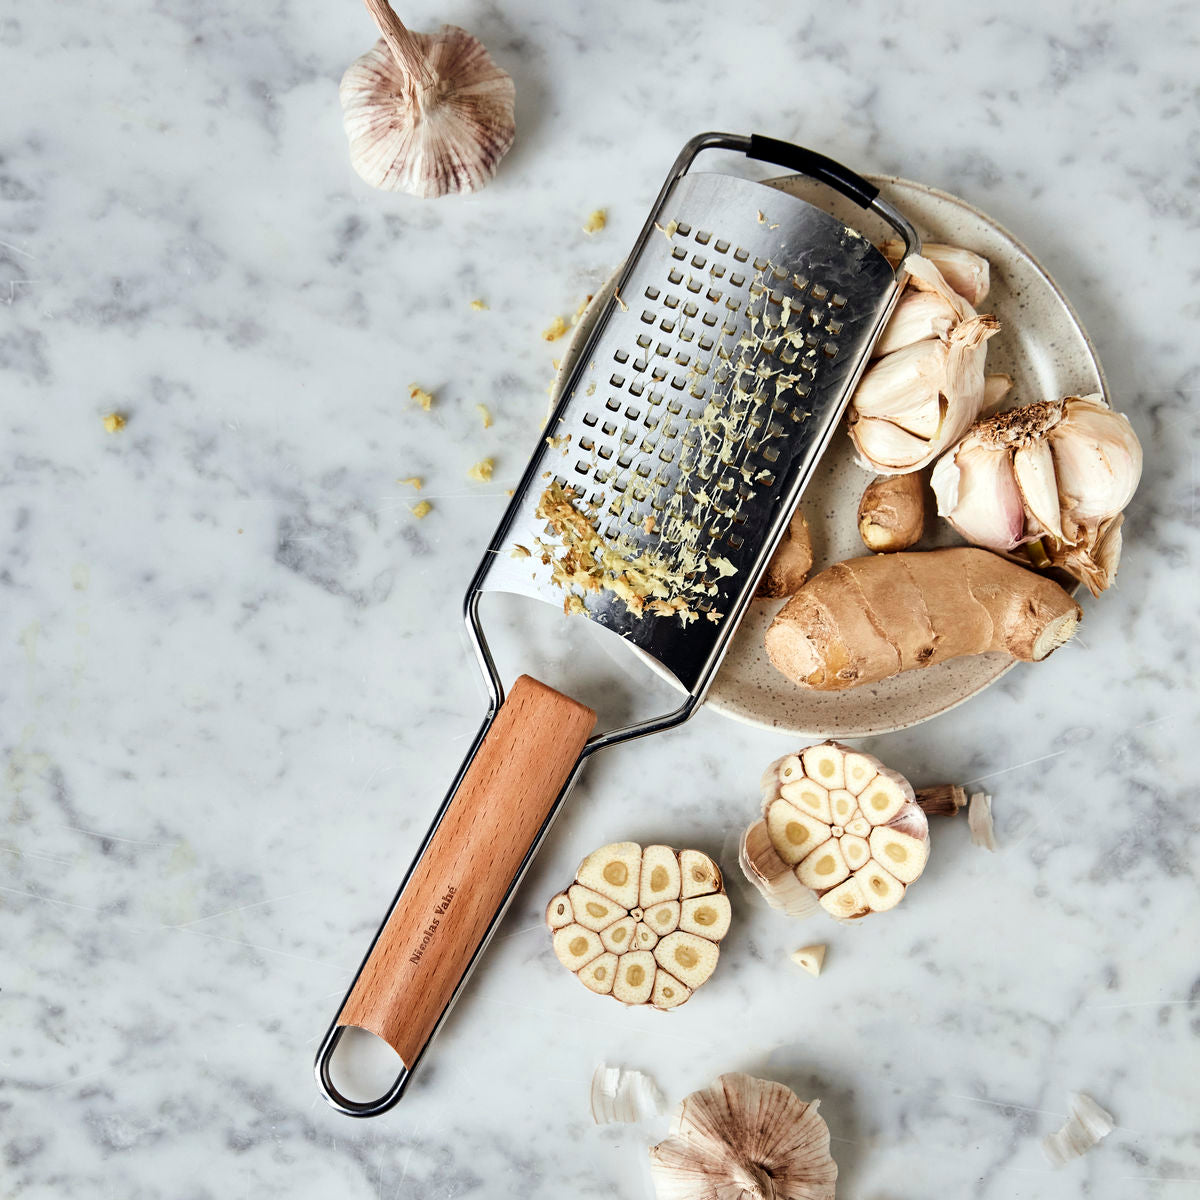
x: 426, y: 113
x: 922, y: 394
x: 1054, y: 475
x: 745, y: 1139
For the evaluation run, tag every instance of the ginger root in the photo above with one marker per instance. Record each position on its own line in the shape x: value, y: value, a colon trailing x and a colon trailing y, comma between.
x: 867, y: 619
x: 790, y: 564
x: 891, y: 513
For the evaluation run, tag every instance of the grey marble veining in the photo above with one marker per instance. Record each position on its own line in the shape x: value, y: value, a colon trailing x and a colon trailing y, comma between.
x: 232, y: 683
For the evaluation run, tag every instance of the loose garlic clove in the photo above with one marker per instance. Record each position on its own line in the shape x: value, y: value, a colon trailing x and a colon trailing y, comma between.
x: 966, y: 272
x: 426, y: 113
x: 641, y: 925
x: 810, y: 958
x: 744, y: 1139
x: 871, y: 843
x: 917, y: 317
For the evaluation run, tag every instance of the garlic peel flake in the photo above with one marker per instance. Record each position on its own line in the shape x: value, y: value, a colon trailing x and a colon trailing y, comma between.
x: 622, y: 1095
x: 1086, y: 1126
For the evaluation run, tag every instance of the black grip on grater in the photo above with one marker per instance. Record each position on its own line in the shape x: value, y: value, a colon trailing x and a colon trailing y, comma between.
x: 809, y: 162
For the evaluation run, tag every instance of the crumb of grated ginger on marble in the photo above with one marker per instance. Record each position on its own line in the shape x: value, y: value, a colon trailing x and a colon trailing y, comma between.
x: 519, y: 551
x: 421, y: 396
x: 114, y: 421
x: 485, y: 415
x: 481, y: 472
x: 422, y: 510
x: 597, y: 221
x: 479, y: 305
x: 554, y: 330
x: 413, y: 481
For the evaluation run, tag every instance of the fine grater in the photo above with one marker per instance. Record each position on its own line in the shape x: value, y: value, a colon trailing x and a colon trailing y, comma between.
x: 693, y: 419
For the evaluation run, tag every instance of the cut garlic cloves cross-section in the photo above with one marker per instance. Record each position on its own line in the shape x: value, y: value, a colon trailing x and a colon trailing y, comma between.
x: 839, y: 826
x: 640, y: 925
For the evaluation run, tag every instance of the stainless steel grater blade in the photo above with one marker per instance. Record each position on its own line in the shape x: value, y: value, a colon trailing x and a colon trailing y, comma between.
x: 694, y: 418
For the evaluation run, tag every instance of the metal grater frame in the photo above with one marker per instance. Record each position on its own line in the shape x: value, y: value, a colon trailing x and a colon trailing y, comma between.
x: 700, y: 405
x: 828, y: 269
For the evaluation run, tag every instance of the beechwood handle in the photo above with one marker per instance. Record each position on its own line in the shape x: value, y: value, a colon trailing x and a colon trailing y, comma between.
x: 441, y: 917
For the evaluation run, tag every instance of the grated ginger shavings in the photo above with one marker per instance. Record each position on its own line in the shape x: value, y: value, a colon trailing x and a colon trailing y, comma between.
x: 485, y: 415
x: 420, y: 396
x: 596, y: 221
x: 114, y: 421
x: 481, y: 472
x: 422, y: 510
x: 413, y: 481
x: 479, y: 305
x: 554, y: 330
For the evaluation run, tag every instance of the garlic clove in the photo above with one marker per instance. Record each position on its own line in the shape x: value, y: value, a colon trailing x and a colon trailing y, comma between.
x: 613, y: 871
x: 855, y: 850
x: 744, y: 1139
x: 880, y: 890
x: 576, y: 947
x: 824, y: 868
x: 599, y: 975
x: 904, y: 388
x: 846, y: 901
x: 843, y: 806
x: 559, y: 912
x: 688, y: 956
x: 426, y: 113
x: 668, y: 991
x: 1033, y: 469
x: 660, y: 875
x: 635, y: 977
x: 662, y: 918
x: 591, y: 909
x: 810, y: 958
x: 1097, y: 457
x: 644, y: 938
x: 825, y: 764
x: 859, y: 827
x: 787, y: 769
x: 699, y: 874
x: 885, y: 447
x: 860, y: 769
x: 794, y: 834
x: 707, y: 916
x: 995, y: 388
x: 618, y: 937
x: 977, y: 493
x: 809, y: 797
x: 968, y: 273
x: 897, y: 852
x: 886, y: 796
x: 917, y: 317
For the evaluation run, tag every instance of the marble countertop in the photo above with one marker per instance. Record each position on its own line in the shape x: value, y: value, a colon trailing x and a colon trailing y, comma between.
x: 233, y: 683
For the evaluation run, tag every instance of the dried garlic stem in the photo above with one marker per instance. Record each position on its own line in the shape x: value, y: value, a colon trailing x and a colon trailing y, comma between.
x: 944, y: 800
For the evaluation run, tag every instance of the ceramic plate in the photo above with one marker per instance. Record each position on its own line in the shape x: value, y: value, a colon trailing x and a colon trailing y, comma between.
x: 1042, y: 346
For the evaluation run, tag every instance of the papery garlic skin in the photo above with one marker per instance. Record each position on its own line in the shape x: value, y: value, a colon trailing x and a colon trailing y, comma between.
x: 1056, y: 472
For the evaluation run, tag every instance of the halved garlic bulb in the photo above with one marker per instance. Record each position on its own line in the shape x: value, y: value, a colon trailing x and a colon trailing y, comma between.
x: 426, y: 113
x: 640, y: 925
x: 840, y: 826
x: 1058, y: 473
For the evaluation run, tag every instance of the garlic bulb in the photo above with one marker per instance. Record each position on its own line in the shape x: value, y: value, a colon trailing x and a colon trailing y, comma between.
x: 927, y: 387
x: 745, y: 1139
x: 842, y: 826
x: 426, y: 113
x: 641, y: 925
x: 1055, y: 473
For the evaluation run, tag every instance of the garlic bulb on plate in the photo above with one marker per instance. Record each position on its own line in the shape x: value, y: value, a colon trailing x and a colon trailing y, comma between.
x: 745, y: 1139
x: 1056, y: 474
x: 927, y: 387
x: 426, y: 113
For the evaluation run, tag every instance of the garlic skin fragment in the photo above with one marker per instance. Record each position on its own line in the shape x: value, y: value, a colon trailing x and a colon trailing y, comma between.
x: 744, y: 1139
x: 1087, y: 1125
x: 622, y: 1095
x: 642, y: 926
x: 979, y: 821
x: 426, y: 114
x: 854, y: 852
x: 1055, y: 473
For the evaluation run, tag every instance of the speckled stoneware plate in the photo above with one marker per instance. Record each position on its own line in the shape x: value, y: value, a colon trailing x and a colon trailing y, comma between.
x: 1042, y: 346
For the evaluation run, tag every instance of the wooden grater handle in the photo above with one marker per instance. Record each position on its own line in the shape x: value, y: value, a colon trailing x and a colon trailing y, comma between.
x: 462, y: 880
